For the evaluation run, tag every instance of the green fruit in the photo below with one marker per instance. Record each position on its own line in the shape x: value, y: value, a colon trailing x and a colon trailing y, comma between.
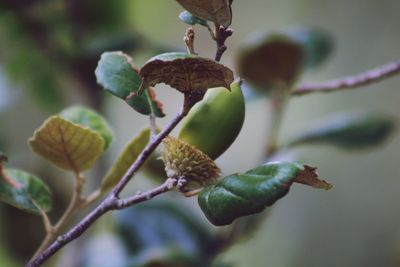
x: 214, y: 123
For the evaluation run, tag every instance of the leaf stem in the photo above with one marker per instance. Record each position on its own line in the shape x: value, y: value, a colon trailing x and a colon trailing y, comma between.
x: 112, y: 201
x: 108, y: 204
x: 350, y: 82
x: 153, y: 126
x: 73, y: 207
x: 278, y: 104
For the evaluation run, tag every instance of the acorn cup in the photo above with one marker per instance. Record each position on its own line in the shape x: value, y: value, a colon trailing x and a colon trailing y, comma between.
x: 192, y: 168
x: 211, y: 126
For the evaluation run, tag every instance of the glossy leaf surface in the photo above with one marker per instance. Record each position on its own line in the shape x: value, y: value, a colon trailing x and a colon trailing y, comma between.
x: 116, y: 73
x: 248, y: 193
x: 30, y: 194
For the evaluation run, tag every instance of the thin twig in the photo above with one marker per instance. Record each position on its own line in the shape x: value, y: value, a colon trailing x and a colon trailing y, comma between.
x: 351, y: 82
x: 112, y: 202
x: 73, y: 207
x: 146, y: 153
x: 220, y: 36
x: 46, y: 221
x: 109, y: 204
x: 168, y: 185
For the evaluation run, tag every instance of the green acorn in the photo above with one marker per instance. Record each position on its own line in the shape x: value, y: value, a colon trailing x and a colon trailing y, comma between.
x: 190, y: 166
x: 214, y: 123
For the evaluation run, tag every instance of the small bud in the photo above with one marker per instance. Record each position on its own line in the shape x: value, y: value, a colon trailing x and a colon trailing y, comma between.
x: 190, y: 166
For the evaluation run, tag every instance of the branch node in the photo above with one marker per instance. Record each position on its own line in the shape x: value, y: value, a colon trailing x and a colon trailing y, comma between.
x: 221, y: 34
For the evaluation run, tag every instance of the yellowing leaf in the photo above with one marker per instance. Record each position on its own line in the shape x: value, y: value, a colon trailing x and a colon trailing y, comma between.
x: 67, y: 145
x: 90, y: 119
x: 125, y: 160
x: 185, y: 72
x: 217, y: 11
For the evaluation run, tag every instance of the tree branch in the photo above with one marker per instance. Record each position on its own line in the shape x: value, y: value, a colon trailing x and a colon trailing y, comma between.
x: 168, y: 185
x: 73, y: 207
x: 147, y: 152
x: 220, y: 36
x: 112, y: 202
x: 351, y: 82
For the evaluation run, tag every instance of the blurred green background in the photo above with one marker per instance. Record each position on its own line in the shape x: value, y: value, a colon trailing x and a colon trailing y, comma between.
x: 48, y: 52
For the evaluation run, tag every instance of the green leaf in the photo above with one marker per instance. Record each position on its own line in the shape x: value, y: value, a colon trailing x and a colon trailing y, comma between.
x: 29, y: 194
x: 165, y: 233
x: 214, y: 123
x: 66, y: 144
x: 270, y: 61
x: 317, y: 44
x: 128, y: 155
x: 243, y: 194
x: 355, y: 130
x: 217, y: 11
x: 185, y: 72
x: 90, y: 119
x: 188, y: 18
x: 116, y: 73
